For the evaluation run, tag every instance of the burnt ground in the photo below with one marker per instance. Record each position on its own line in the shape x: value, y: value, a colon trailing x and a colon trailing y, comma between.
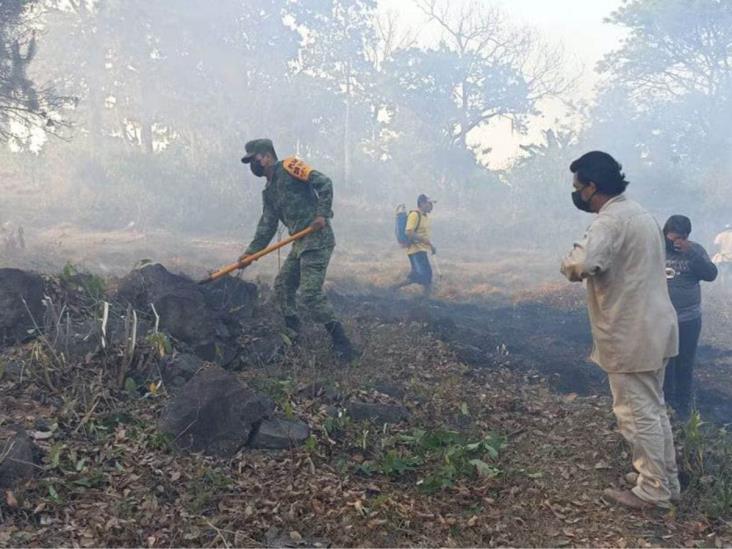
x: 549, y: 336
x: 507, y: 372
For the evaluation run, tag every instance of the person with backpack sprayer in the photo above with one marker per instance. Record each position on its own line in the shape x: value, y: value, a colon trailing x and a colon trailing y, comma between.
x: 300, y: 198
x: 414, y: 233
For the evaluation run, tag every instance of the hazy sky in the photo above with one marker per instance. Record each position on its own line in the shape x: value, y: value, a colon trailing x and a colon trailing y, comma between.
x: 577, y: 24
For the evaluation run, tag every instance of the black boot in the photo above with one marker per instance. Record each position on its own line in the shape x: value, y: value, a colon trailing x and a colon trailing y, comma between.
x: 341, y: 344
x: 293, y: 328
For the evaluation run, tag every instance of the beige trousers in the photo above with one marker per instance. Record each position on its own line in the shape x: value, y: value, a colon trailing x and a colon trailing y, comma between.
x: 640, y: 409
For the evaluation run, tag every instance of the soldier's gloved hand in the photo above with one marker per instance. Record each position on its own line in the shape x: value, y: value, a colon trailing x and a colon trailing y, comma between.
x: 318, y: 223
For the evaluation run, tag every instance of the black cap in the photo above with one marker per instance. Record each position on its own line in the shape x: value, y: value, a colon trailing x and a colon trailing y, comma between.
x: 422, y: 198
x: 255, y: 147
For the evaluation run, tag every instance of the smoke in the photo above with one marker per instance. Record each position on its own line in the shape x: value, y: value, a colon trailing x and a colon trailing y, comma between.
x: 387, y: 103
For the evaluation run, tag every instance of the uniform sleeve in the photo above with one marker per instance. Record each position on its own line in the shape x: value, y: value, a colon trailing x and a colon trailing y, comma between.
x: 701, y: 265
x: 323, y: 187
x: 266, y: 228
x: 594, y: 253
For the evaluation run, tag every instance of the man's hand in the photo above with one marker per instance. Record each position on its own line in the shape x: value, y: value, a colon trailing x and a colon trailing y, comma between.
x: 682, y: 245
x: 434, y: 250
x: 244, y: 257
x: 318, y: 223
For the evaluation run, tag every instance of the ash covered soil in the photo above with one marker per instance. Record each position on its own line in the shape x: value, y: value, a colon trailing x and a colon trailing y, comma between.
x: 149, y: 411
x: 546, y: 332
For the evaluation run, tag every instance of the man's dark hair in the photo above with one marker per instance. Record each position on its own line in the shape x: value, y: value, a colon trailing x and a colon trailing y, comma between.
x: 421, y: 199
x: 679, y: 224
x: 601, y: 169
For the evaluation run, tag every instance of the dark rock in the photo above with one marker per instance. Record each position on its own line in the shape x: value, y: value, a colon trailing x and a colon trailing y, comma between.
x: 214, y: 413
x: 231, y: 296
x: 178, y: 369
x: 16, y: 317
x: 179, y: 302
x: 16, y: 460
x: 185, y: 316
x: 220, y: 351
x: 260, y: 347
x: 379, y: 413
x: 278, y: 434
x: 207, y: 318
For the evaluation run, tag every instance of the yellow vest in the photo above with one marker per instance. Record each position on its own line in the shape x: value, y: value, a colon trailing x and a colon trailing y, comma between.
x: 423, y: 232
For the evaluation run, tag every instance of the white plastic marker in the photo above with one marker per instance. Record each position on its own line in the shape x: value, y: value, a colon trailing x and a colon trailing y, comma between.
x: 437, y: 266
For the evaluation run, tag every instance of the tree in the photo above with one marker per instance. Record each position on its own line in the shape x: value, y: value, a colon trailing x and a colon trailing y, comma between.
x: 668, y: 100
x: 675, y: 48
x: 23, y: 104
x: 483, y: 69
x: 169, y: 93
x: 335, y: 50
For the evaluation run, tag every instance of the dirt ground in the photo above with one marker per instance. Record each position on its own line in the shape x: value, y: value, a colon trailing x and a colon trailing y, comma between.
x: 498, y: 354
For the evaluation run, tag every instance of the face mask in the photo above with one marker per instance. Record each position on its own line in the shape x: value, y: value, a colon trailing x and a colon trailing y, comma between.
x: 580, y: 203
x: 256, y: 167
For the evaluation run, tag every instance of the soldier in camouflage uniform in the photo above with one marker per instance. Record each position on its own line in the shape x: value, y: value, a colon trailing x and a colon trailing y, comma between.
x: 299, y: 197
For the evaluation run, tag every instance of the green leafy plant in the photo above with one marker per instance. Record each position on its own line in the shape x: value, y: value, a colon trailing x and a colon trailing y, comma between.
x: 160, y: 343
x: 336, y: 423
x: 396, y: 464
x: 439, y: 457
x: 706, y: 461
x: 90, y: 284
x: 311, y: 444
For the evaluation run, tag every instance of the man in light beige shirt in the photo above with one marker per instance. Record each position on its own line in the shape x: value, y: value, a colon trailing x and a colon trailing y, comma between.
x: 621, y: 258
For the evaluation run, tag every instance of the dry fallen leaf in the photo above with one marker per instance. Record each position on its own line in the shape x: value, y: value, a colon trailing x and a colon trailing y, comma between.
x: 10, y: 499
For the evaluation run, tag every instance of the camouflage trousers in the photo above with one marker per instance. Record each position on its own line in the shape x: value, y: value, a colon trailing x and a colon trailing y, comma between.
x: 306, y: 271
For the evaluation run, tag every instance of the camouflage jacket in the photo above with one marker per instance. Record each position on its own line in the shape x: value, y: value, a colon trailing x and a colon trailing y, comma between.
x: 295, y: 195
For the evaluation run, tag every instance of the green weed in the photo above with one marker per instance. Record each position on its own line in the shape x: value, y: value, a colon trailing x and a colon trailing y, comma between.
x: 439, y: 457
x: 706, y: 461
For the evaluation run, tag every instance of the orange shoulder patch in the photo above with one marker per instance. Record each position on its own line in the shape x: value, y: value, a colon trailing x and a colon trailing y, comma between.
x: 297, y: 168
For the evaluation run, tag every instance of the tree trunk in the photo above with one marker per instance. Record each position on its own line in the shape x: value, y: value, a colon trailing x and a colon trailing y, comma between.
x: 347, y: 131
